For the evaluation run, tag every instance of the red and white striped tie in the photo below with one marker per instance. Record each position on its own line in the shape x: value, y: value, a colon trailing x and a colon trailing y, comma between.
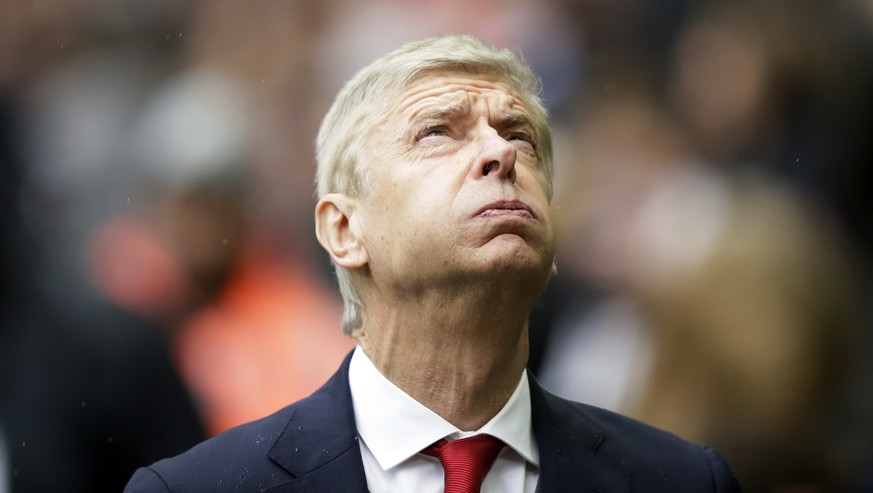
x: 465, y: 461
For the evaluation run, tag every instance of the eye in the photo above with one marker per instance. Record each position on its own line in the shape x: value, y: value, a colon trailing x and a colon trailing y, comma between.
x: 435, y: 131
x: 522, y: 137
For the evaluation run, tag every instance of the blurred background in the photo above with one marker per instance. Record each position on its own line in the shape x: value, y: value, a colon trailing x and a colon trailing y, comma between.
x: 161, y: 281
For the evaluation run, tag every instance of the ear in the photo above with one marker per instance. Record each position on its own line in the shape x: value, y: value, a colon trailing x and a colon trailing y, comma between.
x: 554, y: 268
x: 337, y: 231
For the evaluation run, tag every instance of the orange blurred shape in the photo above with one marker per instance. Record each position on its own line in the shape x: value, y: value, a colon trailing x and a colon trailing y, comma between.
x: 273, y: 338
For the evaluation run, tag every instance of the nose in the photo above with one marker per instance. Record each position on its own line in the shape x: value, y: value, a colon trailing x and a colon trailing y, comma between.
x: 496, y: 157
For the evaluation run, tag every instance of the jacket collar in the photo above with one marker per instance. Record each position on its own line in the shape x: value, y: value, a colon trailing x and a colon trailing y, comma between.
x: 319, y: 445
x: 568, y: 441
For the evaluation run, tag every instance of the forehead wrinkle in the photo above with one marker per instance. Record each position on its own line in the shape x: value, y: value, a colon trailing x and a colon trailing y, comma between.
x: 505, y: 110
x: 439, y: 112
x: 449, y: 87
x: 436, y: 103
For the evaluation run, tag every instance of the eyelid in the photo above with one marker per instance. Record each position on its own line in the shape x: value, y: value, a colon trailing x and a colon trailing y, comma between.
x: 428, y: 128
x: 525, y: 135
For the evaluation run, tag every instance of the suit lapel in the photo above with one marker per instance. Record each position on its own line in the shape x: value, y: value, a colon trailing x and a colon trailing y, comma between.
x: 319, y: 445
x: 568, y: 442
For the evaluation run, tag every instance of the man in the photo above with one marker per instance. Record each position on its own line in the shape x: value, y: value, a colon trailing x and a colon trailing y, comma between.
x: 434, y: 180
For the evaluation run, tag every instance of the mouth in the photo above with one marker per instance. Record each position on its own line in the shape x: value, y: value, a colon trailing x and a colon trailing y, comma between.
x: 499, y: 208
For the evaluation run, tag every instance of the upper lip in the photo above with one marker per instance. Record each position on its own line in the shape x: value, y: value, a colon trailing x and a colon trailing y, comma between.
x: 510, y: 204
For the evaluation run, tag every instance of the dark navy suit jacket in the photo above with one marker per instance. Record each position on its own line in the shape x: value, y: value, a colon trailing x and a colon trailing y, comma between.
x: 312, y: 446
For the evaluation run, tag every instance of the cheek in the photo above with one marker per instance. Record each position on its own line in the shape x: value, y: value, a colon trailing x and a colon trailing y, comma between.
x: 395, y: 211
x: 534, y: 182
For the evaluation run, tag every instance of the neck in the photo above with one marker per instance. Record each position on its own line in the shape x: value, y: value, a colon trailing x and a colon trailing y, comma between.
x: 460, y: 356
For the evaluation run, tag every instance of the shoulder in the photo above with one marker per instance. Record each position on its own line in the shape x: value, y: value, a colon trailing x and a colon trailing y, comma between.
x: 227, y: 460
x: 633, y: 438
x: 277, y: 449
x: 648, y: 454
x: 616, y: 430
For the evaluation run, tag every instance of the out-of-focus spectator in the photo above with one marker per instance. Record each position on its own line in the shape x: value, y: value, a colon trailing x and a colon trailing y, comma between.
x: 753, y: 344
x: 263, y: 341
x: 723, y: 304
x: 782, y: 86
x: 265, y: 338
x: 169, y: 249
x: 599, y: 345
x: 246, y: 320
x: 85, y: 387
x: 734, y: 177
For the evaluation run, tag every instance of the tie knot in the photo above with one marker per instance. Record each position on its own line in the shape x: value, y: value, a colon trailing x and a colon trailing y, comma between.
x: 465, y: 461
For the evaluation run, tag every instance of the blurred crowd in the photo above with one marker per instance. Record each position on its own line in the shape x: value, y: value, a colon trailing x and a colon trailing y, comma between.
x: 161, y: 281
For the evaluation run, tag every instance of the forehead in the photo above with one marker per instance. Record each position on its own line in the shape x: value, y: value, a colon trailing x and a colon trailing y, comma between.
x: 456, y: 92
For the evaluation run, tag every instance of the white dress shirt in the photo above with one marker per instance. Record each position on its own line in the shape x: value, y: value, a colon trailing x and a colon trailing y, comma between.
x: 393, y: 428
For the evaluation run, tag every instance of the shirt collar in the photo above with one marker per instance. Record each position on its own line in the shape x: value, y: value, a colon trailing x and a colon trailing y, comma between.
x: 395, y: 427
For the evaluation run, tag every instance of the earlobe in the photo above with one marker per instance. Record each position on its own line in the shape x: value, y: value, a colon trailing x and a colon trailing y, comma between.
x: 334, y: 216
x: 554, y: 268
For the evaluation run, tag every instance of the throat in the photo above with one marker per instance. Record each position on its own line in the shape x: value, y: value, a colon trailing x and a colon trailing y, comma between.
x: 464, y: 381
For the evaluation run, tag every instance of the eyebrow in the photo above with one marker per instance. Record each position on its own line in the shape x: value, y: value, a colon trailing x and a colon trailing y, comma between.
x: 511, y: 120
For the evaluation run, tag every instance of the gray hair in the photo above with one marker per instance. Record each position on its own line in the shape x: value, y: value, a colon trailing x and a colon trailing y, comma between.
x: 364, y: 100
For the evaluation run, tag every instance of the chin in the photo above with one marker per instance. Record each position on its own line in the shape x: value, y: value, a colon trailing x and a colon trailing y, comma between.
x: 519, y: 260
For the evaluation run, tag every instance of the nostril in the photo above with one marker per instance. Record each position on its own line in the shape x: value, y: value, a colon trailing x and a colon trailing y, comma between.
x: 488, y: 167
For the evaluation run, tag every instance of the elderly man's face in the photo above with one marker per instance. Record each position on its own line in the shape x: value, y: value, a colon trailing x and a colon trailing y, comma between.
x: 455, y: 187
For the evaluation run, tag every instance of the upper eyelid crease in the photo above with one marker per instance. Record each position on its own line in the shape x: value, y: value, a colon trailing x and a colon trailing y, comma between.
x: 521, y: 134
